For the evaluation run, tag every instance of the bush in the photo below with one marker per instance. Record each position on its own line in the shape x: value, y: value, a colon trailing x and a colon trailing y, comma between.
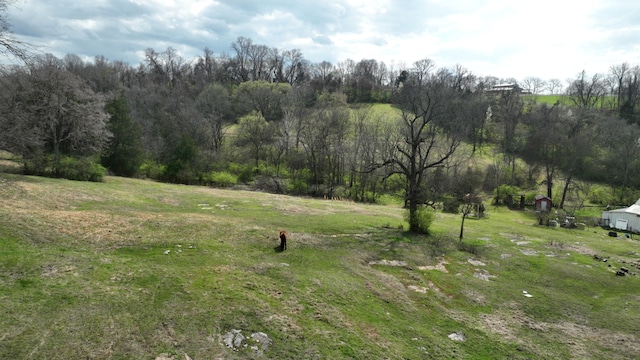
x: 503, y: 191
x: 222, y: 179
x: 83, y: 169
x: 422, y: 221
x: 600, y: 195
x: 151, y: 170
x: 297, y: 187
x: 451, y: 205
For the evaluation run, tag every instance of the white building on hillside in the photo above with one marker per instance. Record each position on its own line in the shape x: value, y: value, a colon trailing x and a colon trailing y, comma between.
x: 625, y: 219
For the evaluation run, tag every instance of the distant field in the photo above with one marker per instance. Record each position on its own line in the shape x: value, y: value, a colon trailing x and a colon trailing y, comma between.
x: 548, y: 99
x: 133, y: 269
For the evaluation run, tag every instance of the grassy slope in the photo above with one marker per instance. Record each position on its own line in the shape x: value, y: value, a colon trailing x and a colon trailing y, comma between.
x: 84, y: 275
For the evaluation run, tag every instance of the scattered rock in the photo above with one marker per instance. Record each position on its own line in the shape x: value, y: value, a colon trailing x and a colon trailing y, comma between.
x: 457, y: 336
x: 262, y: 339
x: 528, y: 252
x: 476, y: 262
x: 258, y: 341
x: 420, y: 289
x: 234, y: 339
x: 388, y: 262
x: 483, y: 275
x: 440, y: 266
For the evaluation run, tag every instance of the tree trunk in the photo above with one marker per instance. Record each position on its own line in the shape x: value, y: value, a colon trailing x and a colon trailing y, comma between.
x: 549, y: 181
x: 565, y: 191
x: 464, y: 215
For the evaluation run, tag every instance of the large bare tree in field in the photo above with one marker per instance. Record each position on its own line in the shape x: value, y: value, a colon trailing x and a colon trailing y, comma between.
x: 55, y: 112
x: 428, y: 133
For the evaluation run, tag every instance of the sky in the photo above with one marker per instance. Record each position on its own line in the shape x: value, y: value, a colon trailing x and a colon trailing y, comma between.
x: 502, y: 38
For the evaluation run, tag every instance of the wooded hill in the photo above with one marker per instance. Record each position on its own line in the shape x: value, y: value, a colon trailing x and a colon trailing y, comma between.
x: 270, y: 120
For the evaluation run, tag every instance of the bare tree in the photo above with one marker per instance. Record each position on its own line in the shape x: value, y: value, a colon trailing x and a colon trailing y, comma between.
x: 508, y: 110
x: 58, y: 111
x: 256, y: 133
x: 10, y: 46
x: 554, y: 86
x: 617, y: 75
x: 213, y: 103
x: 421, y: 69
x: 584, y: 92
x: 422, y: 143
x: 323, y: 138
x: 625, y: 85
x: 533, y: 84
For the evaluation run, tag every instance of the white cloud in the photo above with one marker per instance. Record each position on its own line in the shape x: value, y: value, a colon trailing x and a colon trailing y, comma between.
x: 504, y: 38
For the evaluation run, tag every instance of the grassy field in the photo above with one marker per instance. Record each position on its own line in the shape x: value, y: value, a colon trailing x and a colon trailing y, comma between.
x: 133, y: 269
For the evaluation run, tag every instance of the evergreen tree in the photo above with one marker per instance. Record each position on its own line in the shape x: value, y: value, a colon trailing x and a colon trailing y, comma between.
x: 124, y: 155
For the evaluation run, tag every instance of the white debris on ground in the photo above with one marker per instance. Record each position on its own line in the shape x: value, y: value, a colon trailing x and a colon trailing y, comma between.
x: 525, y: 293
x: 440, y: 266
x: 457, y: 336
x: 388, y: 262
x: 419, y: 289
x: 476, y: 262
x: 483, y: 275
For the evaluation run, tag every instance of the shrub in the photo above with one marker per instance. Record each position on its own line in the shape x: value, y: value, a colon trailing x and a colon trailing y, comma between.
x: 297, y: 187
x: 503, y: 191
x: 222, y: 179
x: 83, y: 169
x: 451, y: 205
x: 422, y: 220
x: 600, y: 195
x: 151, y: 170
x: 271, y: 183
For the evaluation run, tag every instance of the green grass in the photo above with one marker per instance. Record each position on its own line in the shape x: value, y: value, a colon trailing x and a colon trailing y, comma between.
x: 85, y: 275
x: 549, y: 99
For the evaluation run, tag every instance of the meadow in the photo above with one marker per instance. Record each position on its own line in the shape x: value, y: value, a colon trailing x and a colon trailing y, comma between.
x: 132, y: 268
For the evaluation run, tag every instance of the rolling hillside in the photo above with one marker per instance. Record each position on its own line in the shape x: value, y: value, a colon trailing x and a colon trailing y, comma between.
x: 137, y: 269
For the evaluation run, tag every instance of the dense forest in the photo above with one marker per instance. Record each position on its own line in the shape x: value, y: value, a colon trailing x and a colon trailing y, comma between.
x: 270, y: 120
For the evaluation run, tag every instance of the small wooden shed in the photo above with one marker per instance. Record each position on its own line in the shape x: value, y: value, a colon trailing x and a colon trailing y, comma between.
x: 542, y: 203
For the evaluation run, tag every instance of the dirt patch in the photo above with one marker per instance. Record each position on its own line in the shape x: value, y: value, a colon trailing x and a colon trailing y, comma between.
x: 584, y: 342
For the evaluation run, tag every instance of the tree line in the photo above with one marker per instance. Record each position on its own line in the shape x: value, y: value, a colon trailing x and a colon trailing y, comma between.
x: 270, y: 119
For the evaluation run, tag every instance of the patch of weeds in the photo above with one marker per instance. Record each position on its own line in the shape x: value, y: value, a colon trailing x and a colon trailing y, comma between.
x: 474, y: 248
x: 557, y: 244
x: 440, y: 245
